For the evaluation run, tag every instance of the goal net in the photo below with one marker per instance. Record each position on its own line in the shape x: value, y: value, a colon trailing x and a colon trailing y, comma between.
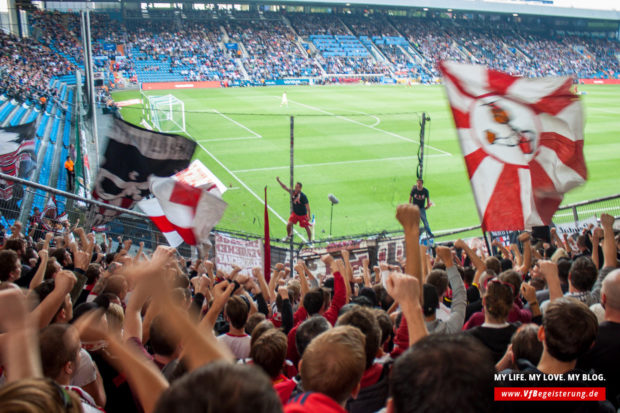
x: 167, y: 113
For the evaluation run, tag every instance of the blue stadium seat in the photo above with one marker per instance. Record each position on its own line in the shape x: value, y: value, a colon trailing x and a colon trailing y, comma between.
x: 7, y: 110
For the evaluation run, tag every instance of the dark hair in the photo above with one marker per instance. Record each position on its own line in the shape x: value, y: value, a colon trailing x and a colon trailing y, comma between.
x: 8, y: 263
x: 57, y: 349
x: 583, y: 274
x: 364, y: 319
x: 232, y: 388
x: 505, y: 264
x: 299, y: 183
x: 309, y: 329
x: 161, y: 342
x: 564, y: 265
x: 236, y: 310
x: 253, y: 321
x: 313, y: 300
x: 269, y: 352
x: 51, y: 268
x: 468, y: 275
x: 260, y: 329
x: 362, y: 301
x: 431, y: 300
x: 15, y: 244
x: 383, y: 298
x: 498, y: 299
x: 422, y: 375
x: 525, y: 344
x: 493, y: 264
x: 513, y: 278
x: 92, y: 273
x: 60, y: 255
x: 570, y: 328
x: 385, y: 324
x: 370, y: 294
x: 438, y: 279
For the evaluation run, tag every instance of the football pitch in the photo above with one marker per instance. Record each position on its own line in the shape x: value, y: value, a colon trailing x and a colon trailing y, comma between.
x: 359, y: 143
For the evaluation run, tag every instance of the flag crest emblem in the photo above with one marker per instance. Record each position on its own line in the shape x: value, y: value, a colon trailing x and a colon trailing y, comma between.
x: 522, y: 140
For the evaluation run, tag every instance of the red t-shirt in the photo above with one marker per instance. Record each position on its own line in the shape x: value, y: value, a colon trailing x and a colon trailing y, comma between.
x: 284, y: 387
x: 313, y: 403
x: 331, y: 315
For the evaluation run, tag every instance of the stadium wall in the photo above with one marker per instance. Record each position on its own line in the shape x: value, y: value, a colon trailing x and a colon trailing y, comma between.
x: 181, y: 85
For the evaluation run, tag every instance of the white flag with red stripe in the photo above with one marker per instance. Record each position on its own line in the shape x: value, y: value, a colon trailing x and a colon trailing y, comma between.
x: 522, y: 139
x: 183, y: 212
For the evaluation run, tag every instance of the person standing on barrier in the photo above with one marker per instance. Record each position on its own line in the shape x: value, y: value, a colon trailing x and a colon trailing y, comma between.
x: 419, y: 196
x: 301, y: 211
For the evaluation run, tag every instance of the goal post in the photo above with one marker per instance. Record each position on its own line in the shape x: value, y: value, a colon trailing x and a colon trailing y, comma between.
x: 167, y: 113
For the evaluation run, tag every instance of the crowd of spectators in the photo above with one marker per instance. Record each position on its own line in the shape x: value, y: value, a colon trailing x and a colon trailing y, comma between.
x: 511, y: 50
x: 191, y: 49
x: 264, y: 46
x: 27, y: 68
x: 87, y: 327
x: 272, y: 50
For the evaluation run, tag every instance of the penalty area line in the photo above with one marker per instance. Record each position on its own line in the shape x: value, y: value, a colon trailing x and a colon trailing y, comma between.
x: 404, y: 138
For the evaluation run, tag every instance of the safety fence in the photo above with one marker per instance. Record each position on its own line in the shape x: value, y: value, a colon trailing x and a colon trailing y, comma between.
x: 244, y: 249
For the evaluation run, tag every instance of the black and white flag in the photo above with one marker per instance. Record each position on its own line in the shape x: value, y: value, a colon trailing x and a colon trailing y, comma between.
x: 133, y: 155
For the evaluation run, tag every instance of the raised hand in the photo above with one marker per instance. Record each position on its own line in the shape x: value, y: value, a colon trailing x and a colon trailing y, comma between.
x: 460, y: 244
x: 528, y: 292
x: 409, y: 217
x: 524, y: 237
x: 283, y: 292
x: 607, y: 220
x: 64, y: 281
x: 403, y: 288
x: 446, y: 255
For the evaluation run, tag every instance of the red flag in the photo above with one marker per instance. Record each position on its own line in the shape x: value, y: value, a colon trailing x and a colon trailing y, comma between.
x: 267, y: 253
x: 522, y: 140
x: 183, y: 212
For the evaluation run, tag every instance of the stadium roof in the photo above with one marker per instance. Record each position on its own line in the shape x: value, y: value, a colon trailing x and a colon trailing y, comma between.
x: 518, y: 6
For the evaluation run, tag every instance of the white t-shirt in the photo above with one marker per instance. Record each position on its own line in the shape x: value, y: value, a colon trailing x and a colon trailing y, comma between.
x: 238, y: 345
x: 86, y: 370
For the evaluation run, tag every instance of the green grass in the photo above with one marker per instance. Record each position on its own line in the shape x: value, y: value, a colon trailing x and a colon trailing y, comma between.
x: 366, y: 156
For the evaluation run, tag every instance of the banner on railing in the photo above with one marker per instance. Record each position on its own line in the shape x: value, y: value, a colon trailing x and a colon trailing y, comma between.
x: 246, y: 254
x: 574, y: 228
x: 391, y: 251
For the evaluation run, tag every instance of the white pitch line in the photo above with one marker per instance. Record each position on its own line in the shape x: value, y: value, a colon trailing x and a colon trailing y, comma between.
x: 367, y: 126
x: 243, y: 138
x: 247, y: 187
x: 311, y: 165
x: 237, y: 123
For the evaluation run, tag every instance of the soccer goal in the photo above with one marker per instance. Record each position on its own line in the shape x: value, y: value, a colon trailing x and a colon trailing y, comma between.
x: 167, y: 113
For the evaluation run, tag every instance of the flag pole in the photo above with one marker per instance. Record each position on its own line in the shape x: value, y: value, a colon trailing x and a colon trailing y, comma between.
x: 486, y: 241
x: 267, y: 245
x: 292, y: 129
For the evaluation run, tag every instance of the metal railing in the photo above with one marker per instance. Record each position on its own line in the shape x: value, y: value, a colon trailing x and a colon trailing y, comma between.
x: 138, y: 227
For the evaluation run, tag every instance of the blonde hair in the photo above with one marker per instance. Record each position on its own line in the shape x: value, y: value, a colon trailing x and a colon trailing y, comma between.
x: 38, y: 395
x: 334, y: 362
x: 559, y: 253
x: 116, y: 317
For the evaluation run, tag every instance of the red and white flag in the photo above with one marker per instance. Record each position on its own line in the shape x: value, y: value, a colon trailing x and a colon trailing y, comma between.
x: 184, y: 212
x: 522, y: 139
